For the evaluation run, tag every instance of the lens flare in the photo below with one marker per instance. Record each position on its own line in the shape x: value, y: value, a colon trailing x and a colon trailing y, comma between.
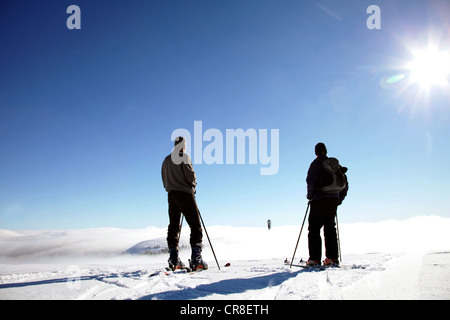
x: 394, y: 79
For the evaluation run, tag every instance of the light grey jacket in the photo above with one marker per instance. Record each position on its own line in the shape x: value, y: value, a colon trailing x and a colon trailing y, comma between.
x: 180, y: 176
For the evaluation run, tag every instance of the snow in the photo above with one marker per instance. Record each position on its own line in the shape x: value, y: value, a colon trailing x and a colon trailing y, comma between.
x: 386, y: 260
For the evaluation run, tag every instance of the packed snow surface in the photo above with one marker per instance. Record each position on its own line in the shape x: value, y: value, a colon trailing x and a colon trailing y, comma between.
x: 386, y: 260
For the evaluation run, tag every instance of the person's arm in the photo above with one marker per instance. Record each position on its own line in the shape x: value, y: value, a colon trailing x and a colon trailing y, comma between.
x: 189, y: 173
x: 311, y: 180
x: 163, y: 174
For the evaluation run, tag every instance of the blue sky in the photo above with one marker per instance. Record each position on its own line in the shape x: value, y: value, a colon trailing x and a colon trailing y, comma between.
x: 86, y: 115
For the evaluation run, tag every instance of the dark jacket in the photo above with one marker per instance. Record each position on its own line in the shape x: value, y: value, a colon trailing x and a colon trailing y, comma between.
x: 179, y: 177
x: 313, y: 181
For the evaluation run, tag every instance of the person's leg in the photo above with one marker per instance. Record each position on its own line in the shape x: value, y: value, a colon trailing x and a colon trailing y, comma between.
x: 315, y: 222
x: 193, y: 219
x: 192, y: 215
x: 173, y: 230
x: 188, y: 206
x: 331, y: 245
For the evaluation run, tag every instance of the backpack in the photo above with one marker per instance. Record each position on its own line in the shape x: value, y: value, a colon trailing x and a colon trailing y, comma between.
x: 334, y: 179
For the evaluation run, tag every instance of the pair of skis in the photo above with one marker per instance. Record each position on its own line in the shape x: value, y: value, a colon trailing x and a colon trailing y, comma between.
x: 304, y: 266
x: 320, y: 267
x: 180, y: 270
x: 183, y: 270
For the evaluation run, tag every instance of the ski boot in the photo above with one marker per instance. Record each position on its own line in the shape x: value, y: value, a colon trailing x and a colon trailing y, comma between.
x: 196, y: 262
x: 313, y: 263
x: 331, y: 262
x: 174, y: 261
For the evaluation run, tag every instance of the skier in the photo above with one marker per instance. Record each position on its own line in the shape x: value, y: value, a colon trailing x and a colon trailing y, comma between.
x: 323, y: 212
x: 179, y: 180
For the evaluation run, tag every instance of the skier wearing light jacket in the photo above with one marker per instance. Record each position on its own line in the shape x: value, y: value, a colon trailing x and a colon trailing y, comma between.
x: 179, y: 180
x: 323, y: 207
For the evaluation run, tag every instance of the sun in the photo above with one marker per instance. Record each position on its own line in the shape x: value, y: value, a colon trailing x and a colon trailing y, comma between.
x: 421, y: 80
x: 429, y: 68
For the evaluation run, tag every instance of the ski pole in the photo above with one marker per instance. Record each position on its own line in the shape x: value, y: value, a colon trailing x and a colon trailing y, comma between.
x: 210, y: 244
x: 338, y: 238
x: 301, y: 229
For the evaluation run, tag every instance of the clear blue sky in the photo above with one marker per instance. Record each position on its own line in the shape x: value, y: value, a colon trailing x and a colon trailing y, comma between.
x: 86, y: 115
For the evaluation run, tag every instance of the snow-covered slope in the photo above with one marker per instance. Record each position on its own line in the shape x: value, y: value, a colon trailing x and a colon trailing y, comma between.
x: 412, y: 262
x: 410, y: 276
x: 156, y: 246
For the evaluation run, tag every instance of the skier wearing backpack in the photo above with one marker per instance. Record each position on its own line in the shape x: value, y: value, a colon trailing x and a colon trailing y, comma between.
x: 325, y: 191
x: 179, y: 180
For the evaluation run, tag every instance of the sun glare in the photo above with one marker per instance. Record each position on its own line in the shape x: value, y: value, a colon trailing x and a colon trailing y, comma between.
x: 422, y: 79
x: 430, y: 67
